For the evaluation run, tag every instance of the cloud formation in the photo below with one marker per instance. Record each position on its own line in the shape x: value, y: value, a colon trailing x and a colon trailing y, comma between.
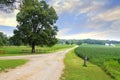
x: 93, y: 35
x: 77, y: 6
x: 62, y: 6
x: 102, y: 23
x: 8, y: 19
x: 110, y: 15
x: 81, y: 19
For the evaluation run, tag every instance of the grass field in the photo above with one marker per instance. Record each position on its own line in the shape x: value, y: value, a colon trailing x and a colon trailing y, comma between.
x: 108, y: 58
x: 74, y: 69
x: 9, y: 64
x: 20, y: 50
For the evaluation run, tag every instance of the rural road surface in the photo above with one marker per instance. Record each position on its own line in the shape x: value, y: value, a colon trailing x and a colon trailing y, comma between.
x: 40, y: 67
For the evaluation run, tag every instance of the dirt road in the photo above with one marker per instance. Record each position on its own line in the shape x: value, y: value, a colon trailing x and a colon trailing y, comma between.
x: 40, y: 67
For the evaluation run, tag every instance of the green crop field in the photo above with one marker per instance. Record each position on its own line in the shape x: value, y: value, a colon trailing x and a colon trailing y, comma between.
x: 108, y: 58
x: 8, y: 64
x: 23, y: 50
x: 74, y: 69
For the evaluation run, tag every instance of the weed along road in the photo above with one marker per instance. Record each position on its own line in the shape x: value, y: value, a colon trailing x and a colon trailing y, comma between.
x: 40, y: 67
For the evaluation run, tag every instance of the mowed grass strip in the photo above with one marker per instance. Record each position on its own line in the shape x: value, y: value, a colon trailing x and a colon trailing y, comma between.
x: 10, y: 64
x: 18, y: 50
x: 74, y: 69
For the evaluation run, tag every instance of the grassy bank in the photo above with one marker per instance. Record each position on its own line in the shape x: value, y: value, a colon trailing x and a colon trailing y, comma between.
x: 108, y: 58
x: 9, y: 64
x: 74, y: 69
x: 23, y: 50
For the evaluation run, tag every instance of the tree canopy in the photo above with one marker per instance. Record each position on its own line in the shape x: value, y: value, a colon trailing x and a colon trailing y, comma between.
x: 8, y: 5
x: 36, y: 24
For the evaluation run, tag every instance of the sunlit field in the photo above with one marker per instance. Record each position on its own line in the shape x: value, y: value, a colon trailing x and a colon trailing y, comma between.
x: 23, y: 50
x: 107, y: 57
x: 10, y: 64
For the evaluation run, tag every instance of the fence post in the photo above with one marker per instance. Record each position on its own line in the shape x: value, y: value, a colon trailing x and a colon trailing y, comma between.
x: 85, y: 61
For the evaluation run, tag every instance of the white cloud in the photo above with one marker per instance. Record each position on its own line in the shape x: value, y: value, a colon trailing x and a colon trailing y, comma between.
x: 91, y: 7
x: 92, y: 35
x: 8, y: 19
x: 76, y: 6
x: 95, y: 19
x: 110, y: 15
x: 110, y: 34
x: 63, y: 32
x: 85, y: 35
x: 98, y: 18
x: 62, y: 6
x: 115, y: 29
x: 108, y: 18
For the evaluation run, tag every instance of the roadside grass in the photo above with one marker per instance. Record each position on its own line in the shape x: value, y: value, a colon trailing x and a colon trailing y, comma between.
x: 74, y: 69
x: 55, y: 48
x: 10, y: 64
x: 106, y: 57
x: 25, y: 50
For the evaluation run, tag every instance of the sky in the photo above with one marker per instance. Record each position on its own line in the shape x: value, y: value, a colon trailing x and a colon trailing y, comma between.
x: 78, y: 19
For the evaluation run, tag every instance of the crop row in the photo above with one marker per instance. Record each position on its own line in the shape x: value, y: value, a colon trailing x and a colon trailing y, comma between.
x: 108, y: 58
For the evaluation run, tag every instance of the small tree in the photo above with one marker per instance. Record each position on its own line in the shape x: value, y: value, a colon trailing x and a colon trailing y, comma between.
x: 3, y: 39
x: 36, y: 24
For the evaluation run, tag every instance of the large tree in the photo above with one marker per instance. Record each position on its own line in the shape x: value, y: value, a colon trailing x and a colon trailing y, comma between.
x: 36, y: 24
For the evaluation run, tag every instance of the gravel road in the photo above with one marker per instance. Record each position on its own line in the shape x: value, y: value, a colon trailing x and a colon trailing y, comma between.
x: 40, y: 67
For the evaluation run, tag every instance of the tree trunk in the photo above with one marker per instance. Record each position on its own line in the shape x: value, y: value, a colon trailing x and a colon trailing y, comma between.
x: 33, y: 48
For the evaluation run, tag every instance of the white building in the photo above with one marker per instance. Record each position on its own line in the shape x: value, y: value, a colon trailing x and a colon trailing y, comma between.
x: 107, y: 44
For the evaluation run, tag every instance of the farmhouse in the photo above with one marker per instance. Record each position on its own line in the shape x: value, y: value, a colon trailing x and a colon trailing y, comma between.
x: 107, y: 44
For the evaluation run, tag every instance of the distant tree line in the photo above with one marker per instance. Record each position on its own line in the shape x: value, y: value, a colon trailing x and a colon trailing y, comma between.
x: 87, y: 41
x: 10, y: 41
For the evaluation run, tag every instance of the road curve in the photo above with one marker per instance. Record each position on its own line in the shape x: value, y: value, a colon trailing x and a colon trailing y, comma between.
x: 40, y: 67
